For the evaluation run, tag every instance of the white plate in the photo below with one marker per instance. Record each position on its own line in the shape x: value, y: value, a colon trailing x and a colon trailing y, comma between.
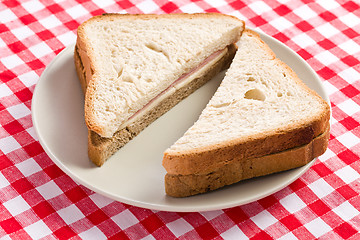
x: 134, y: 175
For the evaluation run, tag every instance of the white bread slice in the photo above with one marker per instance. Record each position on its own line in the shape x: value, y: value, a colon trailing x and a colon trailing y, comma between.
x: 240, y: 169
x: 101, y: 148
x: 260, y: 108
x: 129, y: 59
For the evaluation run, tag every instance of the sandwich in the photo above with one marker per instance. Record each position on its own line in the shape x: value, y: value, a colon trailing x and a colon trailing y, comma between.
x: 134, y: 68
x: 262, y: 119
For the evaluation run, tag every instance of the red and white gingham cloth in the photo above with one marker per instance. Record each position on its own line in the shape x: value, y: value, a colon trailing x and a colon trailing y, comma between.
x: 37, y: 200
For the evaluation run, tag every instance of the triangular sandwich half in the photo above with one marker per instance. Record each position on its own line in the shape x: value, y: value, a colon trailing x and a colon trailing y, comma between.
x: 134, y: 68
x: 262, y: 119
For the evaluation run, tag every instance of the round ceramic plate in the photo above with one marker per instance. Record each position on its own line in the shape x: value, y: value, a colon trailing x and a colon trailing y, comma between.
x: 134, y: 175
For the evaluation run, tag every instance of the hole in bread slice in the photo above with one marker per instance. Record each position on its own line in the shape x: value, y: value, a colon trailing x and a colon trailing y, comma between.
x: 251, y: 79
x: 157, y: 49
x: 255, y: 94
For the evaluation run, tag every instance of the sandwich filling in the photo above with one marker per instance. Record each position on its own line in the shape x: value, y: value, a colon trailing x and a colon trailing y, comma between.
x: 177, y: 84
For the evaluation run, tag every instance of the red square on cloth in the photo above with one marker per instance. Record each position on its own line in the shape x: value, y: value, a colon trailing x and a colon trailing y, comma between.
x: 5, y: 162
x: 319, y: 207
x: 119, y: 235
x: 152, y: 223
x: 282, y: 10
x: 236, y: 214
x: 350, y: 123
x: 291, y: 222
x: 345, y: 230
x: 64, y: 233
x: 22, y: 185
x: 13, y: 127
x: 76, y: 194
x: 43, y: 209
x: 97, y: 217
x: 347, y: 192
x: 169, y: 7
x: 206, y: 231
x: 327, y: 16
x: 33, y: 149
x: 10, y: 225
x: 261, y: 236
x: 351, y: 6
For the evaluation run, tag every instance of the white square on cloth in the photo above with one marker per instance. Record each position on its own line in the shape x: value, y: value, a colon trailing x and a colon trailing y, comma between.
x: 29, y: 79
x: 37, y: 230
x: 328, y: 5
x: 327, y: 30
x: 321, y: 188
x: 50, y: 22
x: 348, y: 139
x: 327, y: 155
x: 292, y: 203
x: 100, y: 200
x: 11, y: 61
x: 9, y: 144
x: 288, y: 236
x: 147, y: 6
x: 5, y: 90
x: 16, y: 205
x: 103, y: 3
x: 350, y: 20
x: 92, y: 233
x: 148, y: 237
x: 19, y: 111
x: 216, y: 3
x: 347, y: 174
x: 2, y: 43
x: 179, y: 227
x: 3, y: 181
x: 350, y: 75
x: 349, y: 107
x: 32, y: 133
x: 305, y: 12
x: 330, y: 89
x: 259, y: 7
x: 7, y: 16
x: 317, y: 227
x: 22, y: 32
x: 125, y: 219
x: 346, y: 211
x: 49, y: 190
x: 264, y: 219
x: 70, y: 214
x: 209, y: 215
x: 67, y: 38
x: 28, y: 167
x: 281, y: 23
x: 350, y: 47
x: 233, y: 233
x: 326, y: 58
x: 40, y: 50
x: 77, y: 11
x: 191, y: 8
x: 303, y: 40
x: 33, y: 6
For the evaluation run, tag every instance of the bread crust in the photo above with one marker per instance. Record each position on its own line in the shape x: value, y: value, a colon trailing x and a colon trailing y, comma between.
x: 240, y: 169
x: 207, y: 159
x: 100, y: 148
x: 87, y: 55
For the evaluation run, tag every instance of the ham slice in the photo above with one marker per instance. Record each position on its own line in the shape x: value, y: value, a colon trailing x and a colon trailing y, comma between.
x: 181, y: 81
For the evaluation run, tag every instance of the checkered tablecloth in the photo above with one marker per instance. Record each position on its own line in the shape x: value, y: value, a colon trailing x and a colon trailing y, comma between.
x: 38, y: 200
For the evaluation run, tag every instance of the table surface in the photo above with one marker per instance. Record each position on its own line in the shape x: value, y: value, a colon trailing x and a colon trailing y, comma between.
x: 38, y: 200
